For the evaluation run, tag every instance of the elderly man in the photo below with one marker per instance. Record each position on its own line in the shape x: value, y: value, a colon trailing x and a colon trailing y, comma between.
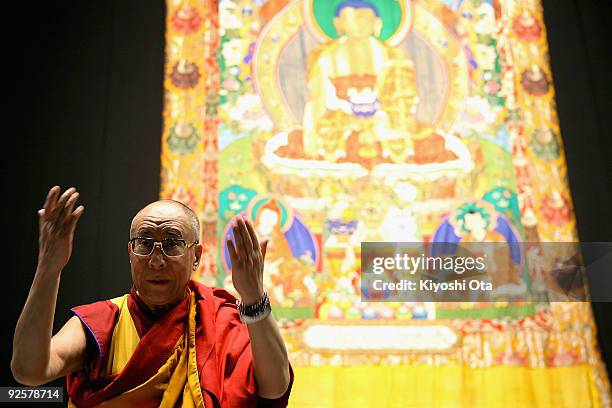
x: 170, y: 341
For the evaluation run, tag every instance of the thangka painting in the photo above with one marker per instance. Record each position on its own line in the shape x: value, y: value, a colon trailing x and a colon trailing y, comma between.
x: 330, y: 123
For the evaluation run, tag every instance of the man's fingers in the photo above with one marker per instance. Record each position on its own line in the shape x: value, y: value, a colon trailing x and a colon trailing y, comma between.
x: 51, y: 199
x: 239, y: 242
x: 41, y: 215
x: 76, y: 214
x: 244, y: 232
x: 69, y: 207
x: 62, y: 201
x: 264, y: 246
x: 232, y: 252
x: 252, y: 234
x: 66, y: 214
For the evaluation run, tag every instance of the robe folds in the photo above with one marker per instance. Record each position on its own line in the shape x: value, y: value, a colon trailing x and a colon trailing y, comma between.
x: 198, y: 354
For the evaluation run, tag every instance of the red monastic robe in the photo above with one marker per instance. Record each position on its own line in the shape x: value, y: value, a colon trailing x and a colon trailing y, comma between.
x: 141, y: 375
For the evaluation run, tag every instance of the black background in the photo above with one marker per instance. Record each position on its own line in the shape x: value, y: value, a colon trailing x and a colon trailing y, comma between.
x: 86, y: 110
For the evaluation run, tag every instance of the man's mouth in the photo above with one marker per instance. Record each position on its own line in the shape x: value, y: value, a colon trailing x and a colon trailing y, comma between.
x: 159, y: 282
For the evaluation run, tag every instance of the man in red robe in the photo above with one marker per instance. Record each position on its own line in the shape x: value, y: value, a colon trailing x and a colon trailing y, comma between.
x: 170, y: 341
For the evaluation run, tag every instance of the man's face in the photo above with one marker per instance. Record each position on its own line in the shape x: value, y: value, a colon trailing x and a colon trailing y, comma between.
x: 161, y: 280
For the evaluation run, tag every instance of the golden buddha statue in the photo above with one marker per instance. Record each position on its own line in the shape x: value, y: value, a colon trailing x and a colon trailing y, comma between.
x: 362, y: 94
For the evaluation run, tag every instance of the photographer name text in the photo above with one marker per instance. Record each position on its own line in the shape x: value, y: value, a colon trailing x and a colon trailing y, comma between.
x: 429, y: 285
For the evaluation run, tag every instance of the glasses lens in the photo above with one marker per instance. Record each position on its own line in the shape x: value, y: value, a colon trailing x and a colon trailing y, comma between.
x: 143, y: 246
x: 173, y: 247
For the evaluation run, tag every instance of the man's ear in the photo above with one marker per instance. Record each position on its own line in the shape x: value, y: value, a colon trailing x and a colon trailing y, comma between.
x: 198, y: 255
x: 129, y: 248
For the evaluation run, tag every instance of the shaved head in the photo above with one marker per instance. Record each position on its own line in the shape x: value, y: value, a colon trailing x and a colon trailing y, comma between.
x: 160, y: 204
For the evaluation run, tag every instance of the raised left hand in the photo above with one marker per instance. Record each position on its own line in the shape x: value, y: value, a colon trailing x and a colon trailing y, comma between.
x: 247, y: 257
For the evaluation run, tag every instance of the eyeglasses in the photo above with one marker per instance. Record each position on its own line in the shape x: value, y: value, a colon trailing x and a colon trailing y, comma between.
x: 169, y: 246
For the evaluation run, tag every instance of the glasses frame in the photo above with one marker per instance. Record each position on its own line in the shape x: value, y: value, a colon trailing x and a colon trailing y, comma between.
x: 161, y: 246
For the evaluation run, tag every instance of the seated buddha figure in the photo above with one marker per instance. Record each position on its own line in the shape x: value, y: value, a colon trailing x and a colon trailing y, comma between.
x: 362, y: 93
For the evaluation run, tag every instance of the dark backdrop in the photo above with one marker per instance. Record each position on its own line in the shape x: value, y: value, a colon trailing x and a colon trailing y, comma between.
x: 88, y: 98
x: 87, y: 113
x: 580, y: 40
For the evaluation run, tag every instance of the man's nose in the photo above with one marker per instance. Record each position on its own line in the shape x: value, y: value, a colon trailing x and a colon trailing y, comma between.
x: 157, y: 259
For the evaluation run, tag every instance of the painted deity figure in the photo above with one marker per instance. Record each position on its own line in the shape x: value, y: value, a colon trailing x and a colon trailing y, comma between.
x: 267, y: 224
x: 476, y: 225
x: 289, y: 277
x: 363, y: 93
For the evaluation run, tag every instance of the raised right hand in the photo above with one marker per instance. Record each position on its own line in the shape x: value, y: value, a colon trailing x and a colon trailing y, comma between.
x: 57, y: 221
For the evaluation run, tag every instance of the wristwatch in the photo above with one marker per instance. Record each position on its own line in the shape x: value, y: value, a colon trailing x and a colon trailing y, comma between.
x: 255, y: 312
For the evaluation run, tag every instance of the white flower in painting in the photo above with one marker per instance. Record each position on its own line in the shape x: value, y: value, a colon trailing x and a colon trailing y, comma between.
x: 249, y: 114
x: 479, y: 115
x: 485, y: 56
x: 227, y: 19
x: 485, y: 22
x: 232, y: 52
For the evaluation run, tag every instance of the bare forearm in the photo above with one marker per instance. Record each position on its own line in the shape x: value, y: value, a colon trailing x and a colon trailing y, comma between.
x: 269, y: 358
x: 32, y: 338
x: 270, y: 361
x: 36, y: 359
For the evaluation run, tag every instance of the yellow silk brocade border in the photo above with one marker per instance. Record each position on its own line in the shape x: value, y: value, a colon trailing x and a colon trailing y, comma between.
x: 444, y: 387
